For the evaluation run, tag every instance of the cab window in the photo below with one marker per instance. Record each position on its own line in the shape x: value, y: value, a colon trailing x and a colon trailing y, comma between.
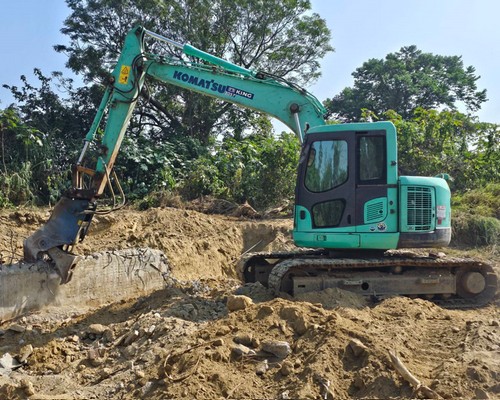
x: 326, y: 165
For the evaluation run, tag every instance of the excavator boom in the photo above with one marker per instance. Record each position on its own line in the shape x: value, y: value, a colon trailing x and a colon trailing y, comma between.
x: 203, y: 73
x: 351, y: 204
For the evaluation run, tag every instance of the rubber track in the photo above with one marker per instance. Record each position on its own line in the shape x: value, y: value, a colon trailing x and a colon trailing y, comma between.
x: 299, y: 263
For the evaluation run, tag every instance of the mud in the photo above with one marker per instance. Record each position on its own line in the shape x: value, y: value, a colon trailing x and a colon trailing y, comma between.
x: 179, y: 341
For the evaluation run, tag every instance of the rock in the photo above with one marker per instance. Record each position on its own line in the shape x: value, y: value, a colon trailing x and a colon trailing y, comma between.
x: 25, y: 352
x: 27, y: 386
x: 105, y: 372
x: 97, y: 329
x: 357, y: 347
x: 131, y: 337
x: 246, y: 339
x: 296, y: 319
x: 262, y: 368
x: 265, y: 311
x: 301, y: 326
x: 74, y: 338
x: 108, y: 335
x: 236, y: 303
x: 280, y: 349
x: 481, y: 394
x: 286, y: 368
x: 223, y: 330
x: 139, y: 373
x: 238, y: 350
x: 17, y: 328
x: 218, y: 342
x: 150, y: 330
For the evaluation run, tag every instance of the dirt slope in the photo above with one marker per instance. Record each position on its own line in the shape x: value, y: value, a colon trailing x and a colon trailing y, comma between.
x: 182, y: 341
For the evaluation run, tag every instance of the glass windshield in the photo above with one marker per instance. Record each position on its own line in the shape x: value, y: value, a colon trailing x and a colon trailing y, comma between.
x: 326, y: 165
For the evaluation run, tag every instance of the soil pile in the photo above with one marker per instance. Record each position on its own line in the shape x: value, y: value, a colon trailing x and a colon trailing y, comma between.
x: 205, y: 336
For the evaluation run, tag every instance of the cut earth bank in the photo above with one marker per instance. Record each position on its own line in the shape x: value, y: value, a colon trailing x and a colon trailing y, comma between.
x: 181, y: 341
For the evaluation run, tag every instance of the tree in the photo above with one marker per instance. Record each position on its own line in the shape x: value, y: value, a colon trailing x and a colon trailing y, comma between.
x: 406, y: 80
x: 434, y: 142
x: 277, y: 36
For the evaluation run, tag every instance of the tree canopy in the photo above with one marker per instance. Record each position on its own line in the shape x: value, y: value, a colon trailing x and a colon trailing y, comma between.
x: 170, y: 145
x: 279, y: 37
x: 406, y: 80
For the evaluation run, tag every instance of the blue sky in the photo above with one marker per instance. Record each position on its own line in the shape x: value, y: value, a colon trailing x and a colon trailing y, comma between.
x: 361, y: 29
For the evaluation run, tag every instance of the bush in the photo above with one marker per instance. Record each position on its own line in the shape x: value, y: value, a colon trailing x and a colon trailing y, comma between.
x: 483, y: 201
x: 257, y: 169
x: 474, y: 230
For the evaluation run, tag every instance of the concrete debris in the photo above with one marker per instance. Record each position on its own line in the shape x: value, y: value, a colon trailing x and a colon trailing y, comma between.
x: 8, y: 364
x: 97, y: 279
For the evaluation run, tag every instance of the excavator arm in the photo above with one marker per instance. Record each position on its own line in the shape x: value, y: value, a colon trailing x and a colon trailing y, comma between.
x: 208, y: 75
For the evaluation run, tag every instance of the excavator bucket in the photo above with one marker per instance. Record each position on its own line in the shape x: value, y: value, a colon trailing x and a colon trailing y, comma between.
x: 67, y: 224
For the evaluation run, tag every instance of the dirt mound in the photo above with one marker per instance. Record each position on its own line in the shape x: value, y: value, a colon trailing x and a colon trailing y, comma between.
x: 183, y: 342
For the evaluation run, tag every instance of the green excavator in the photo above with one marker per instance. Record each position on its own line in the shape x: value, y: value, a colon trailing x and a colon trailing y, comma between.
x: 352, y: 209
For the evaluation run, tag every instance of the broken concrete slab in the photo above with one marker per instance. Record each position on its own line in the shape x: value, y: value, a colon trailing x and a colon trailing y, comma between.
x: 97, y: 279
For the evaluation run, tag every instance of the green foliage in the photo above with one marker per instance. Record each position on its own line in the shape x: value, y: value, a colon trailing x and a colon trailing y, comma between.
x: 475, y: 230
x: 257, y: 34
x: 406, y: 80
x: 433, y: 142
x: 484, y: 201
x: 17, y: 187
x: 257, y: 169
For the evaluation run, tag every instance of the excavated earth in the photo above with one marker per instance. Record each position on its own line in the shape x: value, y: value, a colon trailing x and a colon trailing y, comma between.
x: 193, y: 338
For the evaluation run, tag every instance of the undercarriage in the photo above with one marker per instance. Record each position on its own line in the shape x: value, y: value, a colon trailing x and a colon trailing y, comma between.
x: 448, y: 281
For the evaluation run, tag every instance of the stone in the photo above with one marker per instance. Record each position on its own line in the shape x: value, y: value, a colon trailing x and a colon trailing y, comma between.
x: 262, y: 368
x: 131, y: 337
x: 238, y: 302
x: 17, y: 328
x: 25, y: 352
x: 105, y: 372
x: 357, y: 347
x: 238, y: 350
x: 74, y: 338
x: 286, y: 368
x: 246, y: 339
x: 265, y: 311
x: 97, y: 329
x: 27, y: 386
x: 279, y: 348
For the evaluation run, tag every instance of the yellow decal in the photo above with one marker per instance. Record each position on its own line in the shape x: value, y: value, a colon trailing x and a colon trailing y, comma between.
x: 124, y: 74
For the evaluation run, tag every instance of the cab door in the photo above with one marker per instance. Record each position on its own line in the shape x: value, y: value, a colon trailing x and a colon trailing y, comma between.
x: 327, y: 180
x: 376, y: 185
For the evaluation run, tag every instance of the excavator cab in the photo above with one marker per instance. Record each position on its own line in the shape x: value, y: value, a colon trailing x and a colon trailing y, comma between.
x: 349, y: 194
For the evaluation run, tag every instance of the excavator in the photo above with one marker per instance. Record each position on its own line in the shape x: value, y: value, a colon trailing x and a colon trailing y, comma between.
x: 353, y: 213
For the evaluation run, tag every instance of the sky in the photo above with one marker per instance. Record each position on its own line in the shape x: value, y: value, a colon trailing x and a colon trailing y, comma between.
x: 361, y: 30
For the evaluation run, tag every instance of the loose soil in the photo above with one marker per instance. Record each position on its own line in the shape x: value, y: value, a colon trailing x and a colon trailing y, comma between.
x: 183, y: 341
